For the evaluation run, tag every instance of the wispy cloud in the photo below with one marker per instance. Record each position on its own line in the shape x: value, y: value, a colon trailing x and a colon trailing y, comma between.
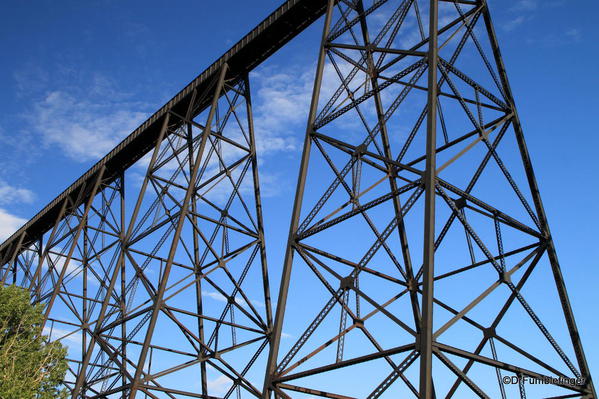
x: 10, y: 194
x: 9, y: 224
x: 556, y: 39
x: 513, y: 23
x: 522, y: 11
x: 68, y: 337
x: 220, y: 385
x: 519, y: 13
x: 283, y: 99
x: 573, y: 34
x: 240, y: 301
x: 85, y: 114
x: 80, y: 114
x: 84, y: 128
x: 58, y: 258
x: 215, y: 295
x: 283, y: 95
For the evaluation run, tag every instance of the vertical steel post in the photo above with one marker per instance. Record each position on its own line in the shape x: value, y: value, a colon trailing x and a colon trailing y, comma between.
x: 84, y: 299
x: 297, y: 207
x: 121, y: 265
x: 258, y: 200
x: 196, y: 253
x: 426, y: 330
x: 40, y: 252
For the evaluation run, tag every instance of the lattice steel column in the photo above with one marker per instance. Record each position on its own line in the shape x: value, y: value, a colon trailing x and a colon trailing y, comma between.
x: 358, y: 315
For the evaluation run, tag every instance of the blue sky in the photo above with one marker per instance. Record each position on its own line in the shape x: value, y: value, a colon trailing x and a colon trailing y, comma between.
x: 77, y: 77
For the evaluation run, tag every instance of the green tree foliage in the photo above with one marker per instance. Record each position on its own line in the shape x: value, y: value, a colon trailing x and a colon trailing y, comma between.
x: 31, y: 367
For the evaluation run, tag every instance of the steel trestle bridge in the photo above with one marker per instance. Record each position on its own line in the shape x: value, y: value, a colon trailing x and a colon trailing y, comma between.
x: 419, y: 261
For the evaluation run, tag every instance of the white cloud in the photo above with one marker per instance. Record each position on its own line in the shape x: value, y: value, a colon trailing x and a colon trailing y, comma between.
x: 57, y: 257
x: 257, y: 303
x: 9, y: 224
x: 215, y: 295
x: 283, y: 97
x: 524, y: 11
x: 514, y: 23
x: 220, y: 385
x: 88, y: 121
x: 84, y: 128
x: 556, y: 39
x: 573, y: 34
x: 221, y: 189
x: 240, y: 301
x: 10, y: 194
x: 283, y: 100
x: 72, y: 339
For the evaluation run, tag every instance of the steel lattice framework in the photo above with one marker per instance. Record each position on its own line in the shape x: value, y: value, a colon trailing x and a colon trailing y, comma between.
x: 419, y: 262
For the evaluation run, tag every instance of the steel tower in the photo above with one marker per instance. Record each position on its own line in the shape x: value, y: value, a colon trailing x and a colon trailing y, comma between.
x: 418, y: 234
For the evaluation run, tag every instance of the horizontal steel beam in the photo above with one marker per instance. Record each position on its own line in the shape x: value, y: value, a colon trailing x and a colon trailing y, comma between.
x: 271, y: 34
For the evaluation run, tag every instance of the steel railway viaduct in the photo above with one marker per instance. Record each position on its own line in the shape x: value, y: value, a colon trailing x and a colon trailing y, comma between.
x: 419, y: 260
